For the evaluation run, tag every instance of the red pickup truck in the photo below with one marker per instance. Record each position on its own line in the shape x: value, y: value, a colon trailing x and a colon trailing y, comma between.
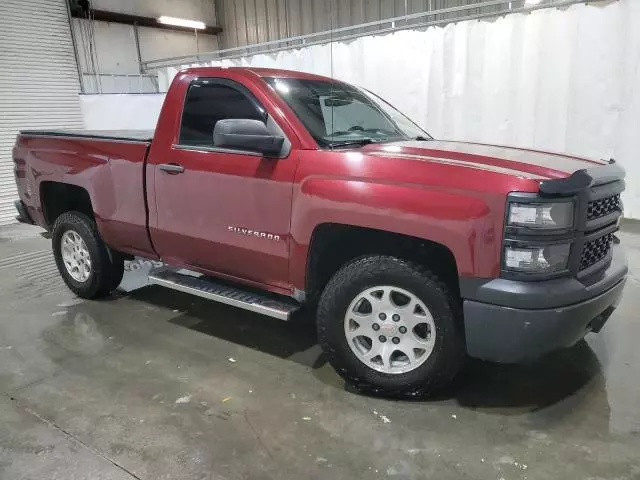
x: 270, y: 190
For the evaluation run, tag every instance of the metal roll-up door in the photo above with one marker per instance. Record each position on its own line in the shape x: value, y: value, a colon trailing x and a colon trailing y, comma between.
x: 38, y: 80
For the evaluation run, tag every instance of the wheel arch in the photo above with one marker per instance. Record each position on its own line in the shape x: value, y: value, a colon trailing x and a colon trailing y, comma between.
x: 57, y: 198
x: 333, y: 245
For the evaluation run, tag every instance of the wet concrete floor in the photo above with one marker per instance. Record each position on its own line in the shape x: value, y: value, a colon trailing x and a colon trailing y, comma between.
x: 154, y: 384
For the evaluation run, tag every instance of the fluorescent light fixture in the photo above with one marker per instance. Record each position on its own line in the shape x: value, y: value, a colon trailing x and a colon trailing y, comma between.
x: 181, y: 22
x: 532, y: 2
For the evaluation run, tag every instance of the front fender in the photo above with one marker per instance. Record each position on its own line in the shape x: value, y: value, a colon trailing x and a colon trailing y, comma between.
x: 465, y: 222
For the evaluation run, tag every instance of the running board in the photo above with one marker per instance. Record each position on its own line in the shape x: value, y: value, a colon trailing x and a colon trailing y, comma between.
x: 206, y: 287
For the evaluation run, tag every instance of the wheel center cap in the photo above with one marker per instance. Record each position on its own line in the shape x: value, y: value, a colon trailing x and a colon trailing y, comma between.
x: 388, y: 329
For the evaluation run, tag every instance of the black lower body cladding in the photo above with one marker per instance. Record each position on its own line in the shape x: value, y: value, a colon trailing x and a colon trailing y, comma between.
x: 512, y: 321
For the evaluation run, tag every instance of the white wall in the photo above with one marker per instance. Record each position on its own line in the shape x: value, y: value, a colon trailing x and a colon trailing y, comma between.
x: 121, y: 112
x: 156, y: 43
x: 565, y: 80
x: 115, y: 44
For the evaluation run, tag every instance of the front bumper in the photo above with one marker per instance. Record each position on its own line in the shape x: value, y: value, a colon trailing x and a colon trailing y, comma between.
x: 511, y: 321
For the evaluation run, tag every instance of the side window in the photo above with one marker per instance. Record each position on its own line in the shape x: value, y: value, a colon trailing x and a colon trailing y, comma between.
x: 209, y: 101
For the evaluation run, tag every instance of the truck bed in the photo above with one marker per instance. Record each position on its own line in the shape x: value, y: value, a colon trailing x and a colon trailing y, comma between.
x: 144, y: 136
x: 105, y: 166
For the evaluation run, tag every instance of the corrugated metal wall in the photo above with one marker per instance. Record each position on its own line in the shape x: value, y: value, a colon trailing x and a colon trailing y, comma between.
x: 39, y: 83
x: 247, y: 22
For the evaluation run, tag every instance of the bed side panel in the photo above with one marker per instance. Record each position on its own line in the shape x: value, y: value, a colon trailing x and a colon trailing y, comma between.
x: 110, y: 171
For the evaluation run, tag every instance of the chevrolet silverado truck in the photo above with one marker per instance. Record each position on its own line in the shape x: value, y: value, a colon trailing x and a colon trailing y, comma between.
x: 271, y: 190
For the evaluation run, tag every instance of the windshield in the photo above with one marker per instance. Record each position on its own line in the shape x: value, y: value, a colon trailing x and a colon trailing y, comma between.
x: 339, y: 114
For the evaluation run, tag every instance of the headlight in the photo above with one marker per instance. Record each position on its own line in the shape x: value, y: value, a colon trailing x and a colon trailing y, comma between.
x: 541, y: 215
x: 547, y: 259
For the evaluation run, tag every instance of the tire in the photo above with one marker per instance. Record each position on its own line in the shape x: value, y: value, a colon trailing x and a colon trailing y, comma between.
x: 104, y: 269
x: 441, y: 343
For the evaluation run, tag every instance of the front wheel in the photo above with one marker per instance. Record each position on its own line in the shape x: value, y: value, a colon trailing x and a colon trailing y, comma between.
x: 391, y: 326
x: 88, y: 267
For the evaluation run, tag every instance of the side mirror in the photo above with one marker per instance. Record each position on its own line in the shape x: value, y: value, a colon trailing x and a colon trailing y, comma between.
x: 245, y: 134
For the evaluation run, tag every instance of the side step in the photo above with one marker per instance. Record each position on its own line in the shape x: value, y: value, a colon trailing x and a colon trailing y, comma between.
x: 206, y: 287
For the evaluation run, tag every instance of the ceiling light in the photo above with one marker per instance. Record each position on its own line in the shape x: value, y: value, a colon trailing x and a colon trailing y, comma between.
x: 532, y: 2
x: 181, y: 22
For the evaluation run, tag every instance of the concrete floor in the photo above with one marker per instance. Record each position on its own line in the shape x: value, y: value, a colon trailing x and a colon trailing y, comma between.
x: 156, y: 385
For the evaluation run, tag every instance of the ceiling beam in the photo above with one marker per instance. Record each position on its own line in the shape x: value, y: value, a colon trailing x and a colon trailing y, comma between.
x: 127, y: 19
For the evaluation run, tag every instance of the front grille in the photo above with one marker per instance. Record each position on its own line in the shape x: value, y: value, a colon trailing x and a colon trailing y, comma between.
x: 603, y: 206
x: 595, y: 250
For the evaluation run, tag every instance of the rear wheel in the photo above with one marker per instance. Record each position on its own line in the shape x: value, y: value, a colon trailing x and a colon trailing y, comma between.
x: 391, y: 326
x: 88, y: 267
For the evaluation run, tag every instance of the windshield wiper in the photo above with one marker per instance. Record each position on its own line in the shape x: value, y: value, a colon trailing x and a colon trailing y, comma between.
x: 359, y: 142
x: 421, y: 138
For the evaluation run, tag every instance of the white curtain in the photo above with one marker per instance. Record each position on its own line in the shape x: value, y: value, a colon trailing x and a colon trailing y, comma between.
x: 564, y: 80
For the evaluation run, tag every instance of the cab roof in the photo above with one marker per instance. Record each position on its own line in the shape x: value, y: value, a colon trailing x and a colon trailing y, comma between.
x: 260, y: 72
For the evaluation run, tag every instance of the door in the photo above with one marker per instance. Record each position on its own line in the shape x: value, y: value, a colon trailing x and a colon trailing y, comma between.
x: 218, y: 210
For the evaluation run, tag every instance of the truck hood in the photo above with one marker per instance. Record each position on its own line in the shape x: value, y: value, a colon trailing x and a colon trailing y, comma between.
x: 497, y: 158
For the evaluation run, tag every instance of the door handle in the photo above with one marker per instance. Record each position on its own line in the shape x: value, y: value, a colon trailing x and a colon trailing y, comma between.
x: 171, y: 168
